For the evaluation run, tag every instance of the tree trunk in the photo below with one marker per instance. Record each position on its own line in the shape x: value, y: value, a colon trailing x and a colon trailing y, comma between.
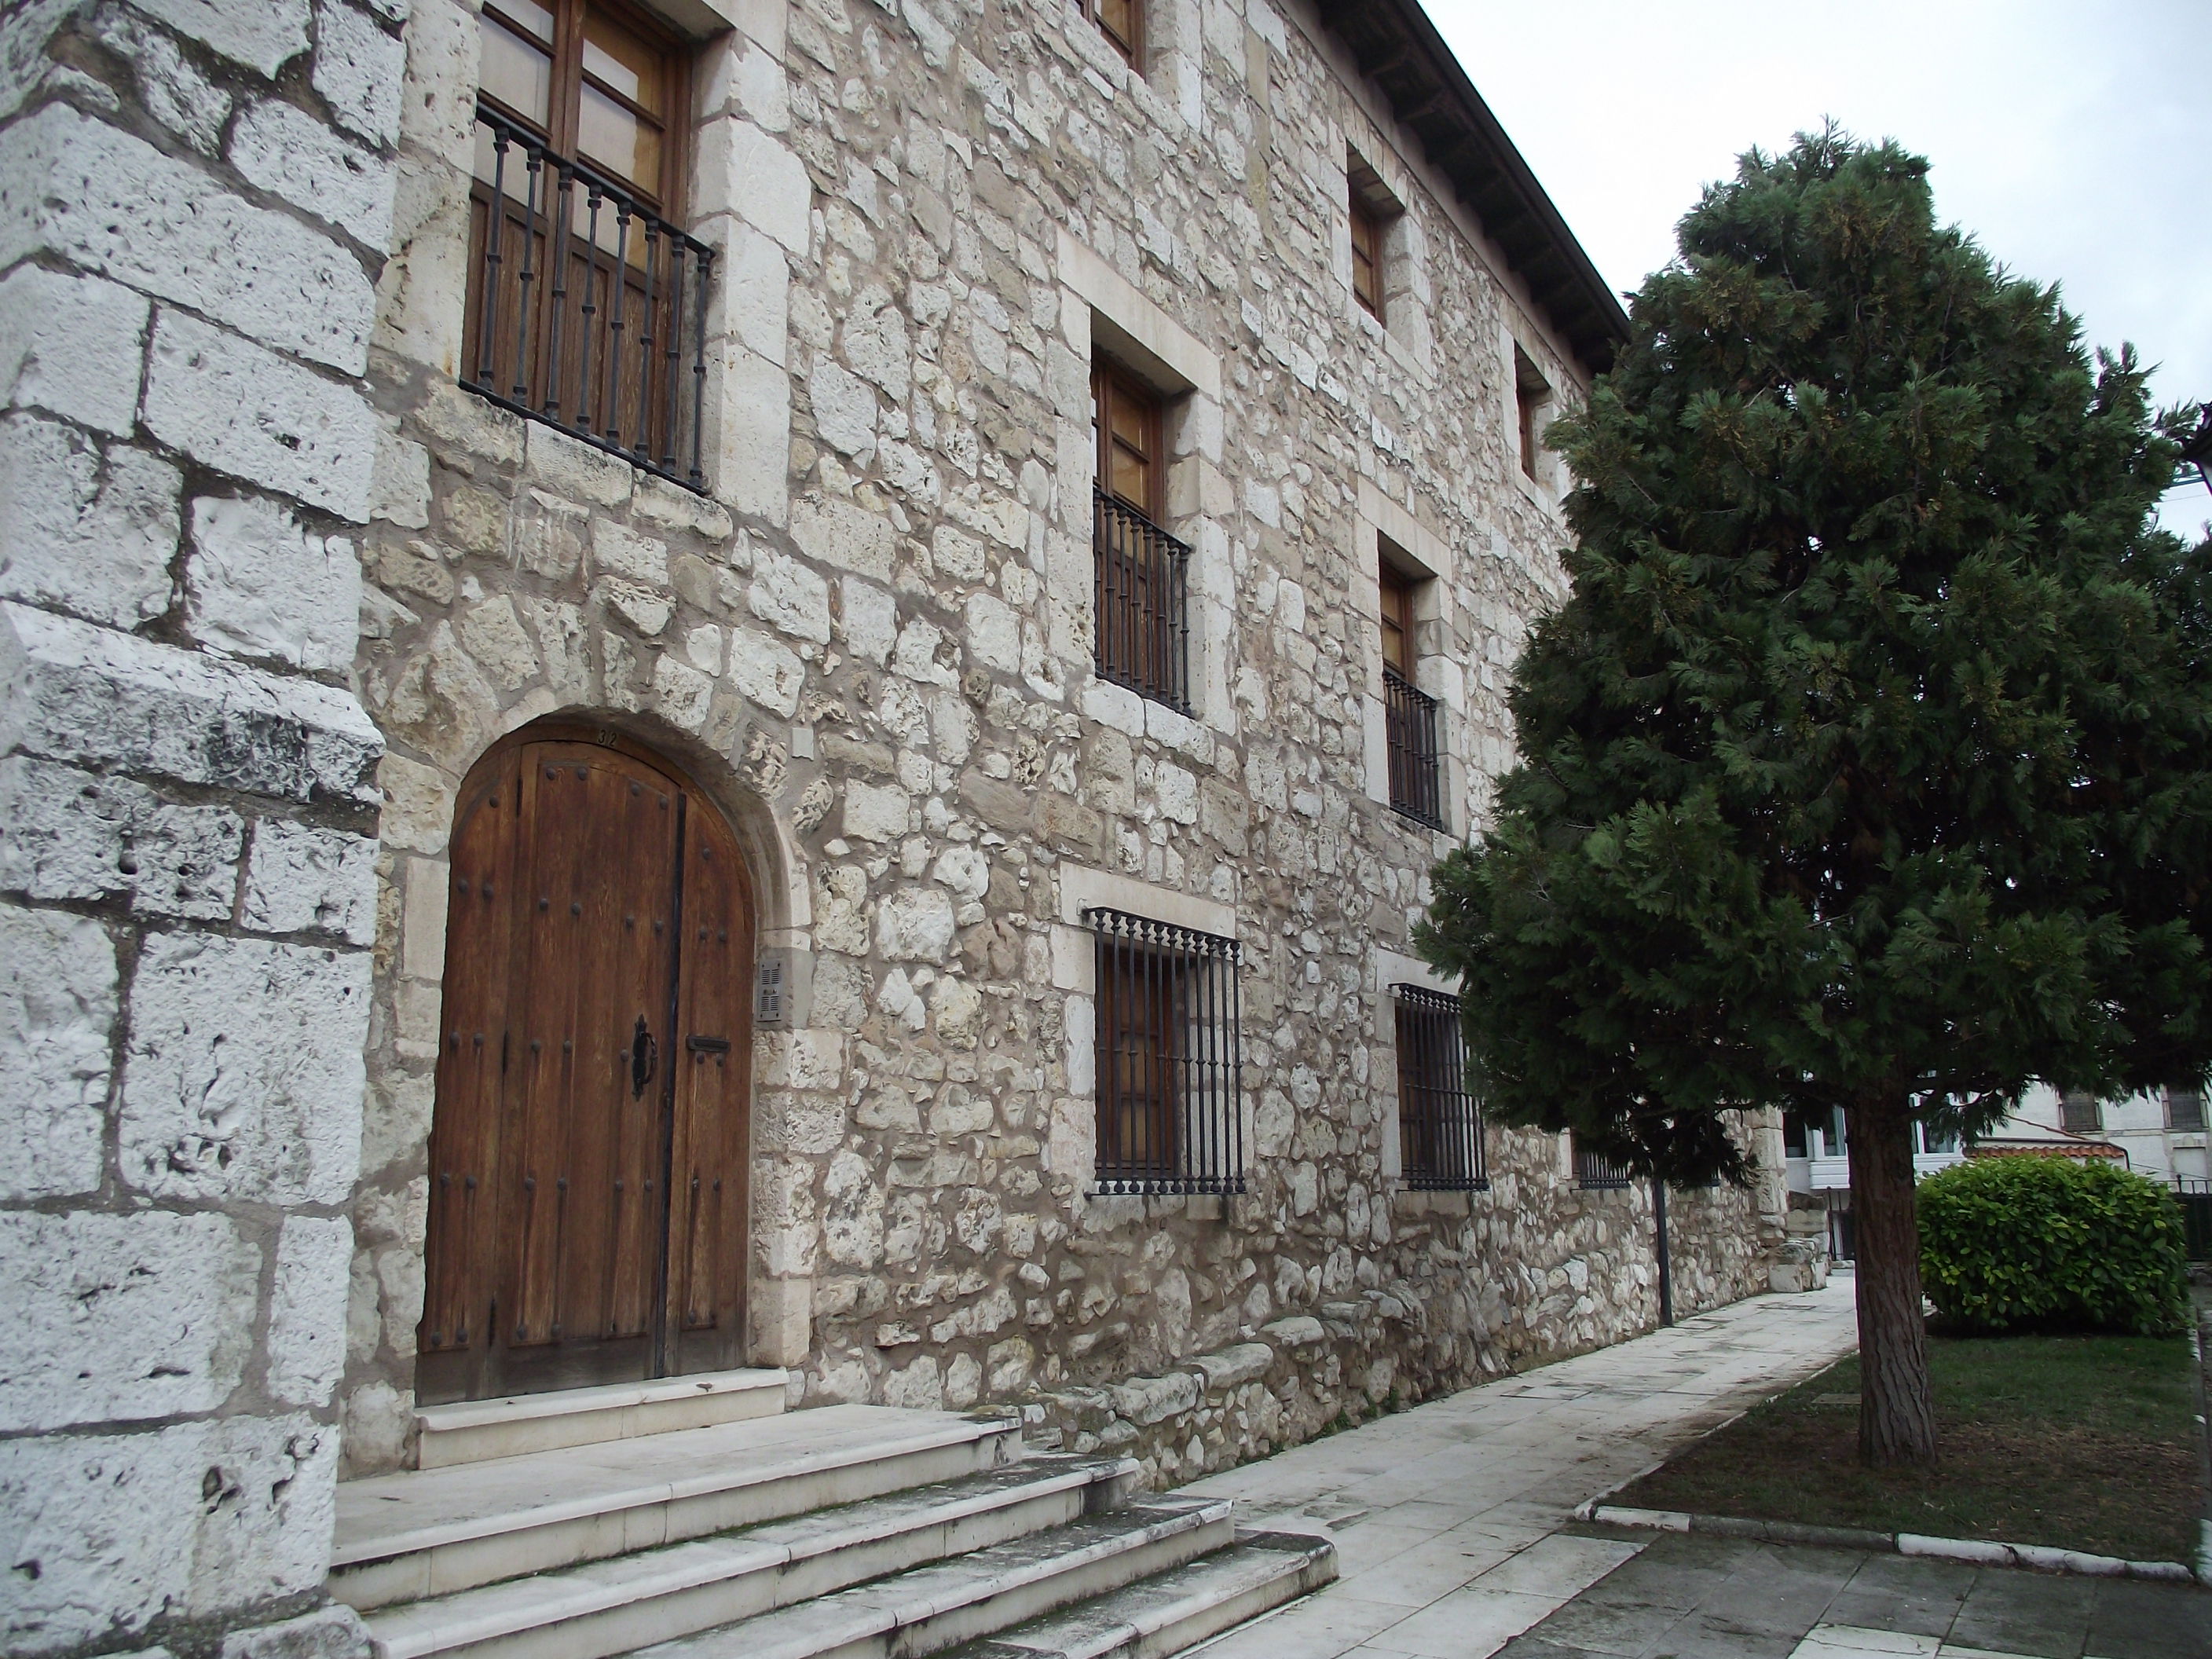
x: 1897, y: 1417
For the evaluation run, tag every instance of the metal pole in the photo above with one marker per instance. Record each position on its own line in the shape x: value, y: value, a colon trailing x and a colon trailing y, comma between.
x: 1665, y: 1268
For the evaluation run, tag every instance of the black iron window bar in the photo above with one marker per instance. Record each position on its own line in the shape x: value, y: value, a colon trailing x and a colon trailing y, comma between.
x: 2185, y: 1107
x: 2080, y: 1112
x: 1439, y: 1124
x: 1143, y: 606
x: 1410, y: 722
x: 1596, y: 1172
x: 1170, y: 1058
x: 580, y: 306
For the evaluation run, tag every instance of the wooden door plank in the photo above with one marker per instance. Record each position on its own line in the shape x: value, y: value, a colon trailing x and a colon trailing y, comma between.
x: 708, y: 1229
x: 461, y: 1244
x: 606, y: 880
x: 645, y: 818
x: 555, y: 815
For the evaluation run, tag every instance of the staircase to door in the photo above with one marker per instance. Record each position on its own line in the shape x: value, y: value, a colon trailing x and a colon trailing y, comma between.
x: 694, y: 1518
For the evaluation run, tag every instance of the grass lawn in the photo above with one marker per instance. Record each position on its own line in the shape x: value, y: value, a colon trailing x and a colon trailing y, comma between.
x: 2086, y: 1442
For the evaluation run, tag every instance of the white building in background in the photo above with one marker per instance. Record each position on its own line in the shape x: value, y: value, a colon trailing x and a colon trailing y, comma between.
x: 2158, y: 1132
x: 2161, y: 1130
x: 1817, y: 1161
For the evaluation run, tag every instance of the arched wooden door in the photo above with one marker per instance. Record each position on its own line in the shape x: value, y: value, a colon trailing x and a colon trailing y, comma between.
x: 589, y: 1150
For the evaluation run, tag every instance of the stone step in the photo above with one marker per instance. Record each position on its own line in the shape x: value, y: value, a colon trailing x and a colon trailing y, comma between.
x: 605, y: 1608
x: 474, y: 1430
x: 929, y: 1609
x: 431, y: 1532
x: 1178, y: 1609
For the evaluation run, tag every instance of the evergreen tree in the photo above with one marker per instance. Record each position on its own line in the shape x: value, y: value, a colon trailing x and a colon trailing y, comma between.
x: 1863, y: 767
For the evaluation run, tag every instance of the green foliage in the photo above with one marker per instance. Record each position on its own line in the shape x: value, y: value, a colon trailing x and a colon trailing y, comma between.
x: 1865, y: 761
x: 2017, y: 1243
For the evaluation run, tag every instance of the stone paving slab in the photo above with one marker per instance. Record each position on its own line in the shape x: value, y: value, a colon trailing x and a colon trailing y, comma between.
x: 1448, y: 1519
x: 1691, y: 1596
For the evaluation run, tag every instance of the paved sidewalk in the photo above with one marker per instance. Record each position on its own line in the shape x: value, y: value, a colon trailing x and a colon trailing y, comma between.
x: 1447, y: 1518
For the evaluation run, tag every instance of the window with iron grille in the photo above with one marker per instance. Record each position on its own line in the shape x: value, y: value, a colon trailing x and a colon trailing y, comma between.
x: 2184, y: 1106
x: 586, y: 306
x: 1594, y: 1169
x: 1170, y: 1062
x: 1141, y: 572
x: 1410, y: 721
x: 2079, y: 1112
x: 1439, y: 1125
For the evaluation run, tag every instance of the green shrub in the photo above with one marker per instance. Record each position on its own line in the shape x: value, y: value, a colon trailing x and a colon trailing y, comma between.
x: 2024, y: 1242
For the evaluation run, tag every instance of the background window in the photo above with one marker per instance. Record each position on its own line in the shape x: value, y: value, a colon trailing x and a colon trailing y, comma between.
x: 1397, y: 592
x: 1122, y: 23
x: 1594, y: 1169
x: 1170, y: 1068
x: 2079, y: 1112
x: 1367, y: 258
x: 2184, y: 1106
x: 1531, y: 395
x: 1371, y: 208
x: 1439, y: 1125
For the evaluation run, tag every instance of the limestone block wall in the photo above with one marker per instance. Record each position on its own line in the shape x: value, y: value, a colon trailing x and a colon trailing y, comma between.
x: 194, y: 196
x: 871, y: 639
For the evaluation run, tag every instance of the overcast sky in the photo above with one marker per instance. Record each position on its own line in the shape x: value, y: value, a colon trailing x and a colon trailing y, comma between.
x: 2072, y: 137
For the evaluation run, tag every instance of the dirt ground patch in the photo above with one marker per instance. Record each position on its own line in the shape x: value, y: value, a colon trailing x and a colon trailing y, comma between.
x: 2086, y: 1442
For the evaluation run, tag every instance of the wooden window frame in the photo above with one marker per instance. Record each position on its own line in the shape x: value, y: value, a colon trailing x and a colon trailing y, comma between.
x: 586, y: 301
x: 1531, y: 392
x: 565, y: 102
x: 1131, y: 50
x: 1395, y: 597
x: 1108, y: 379
x: 1367, y: 258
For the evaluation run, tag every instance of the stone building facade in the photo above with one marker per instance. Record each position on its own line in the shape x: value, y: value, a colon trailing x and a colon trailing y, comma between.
x: 278, y: 591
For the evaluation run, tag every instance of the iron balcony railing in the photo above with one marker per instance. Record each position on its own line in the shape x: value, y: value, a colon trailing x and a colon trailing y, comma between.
x: 1170, y: 1058
x: 1594, y: 1169
x: 1439, y: 1125
x: 585, y: 310
x: 1409, y: 722
x: 1142, y: 578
